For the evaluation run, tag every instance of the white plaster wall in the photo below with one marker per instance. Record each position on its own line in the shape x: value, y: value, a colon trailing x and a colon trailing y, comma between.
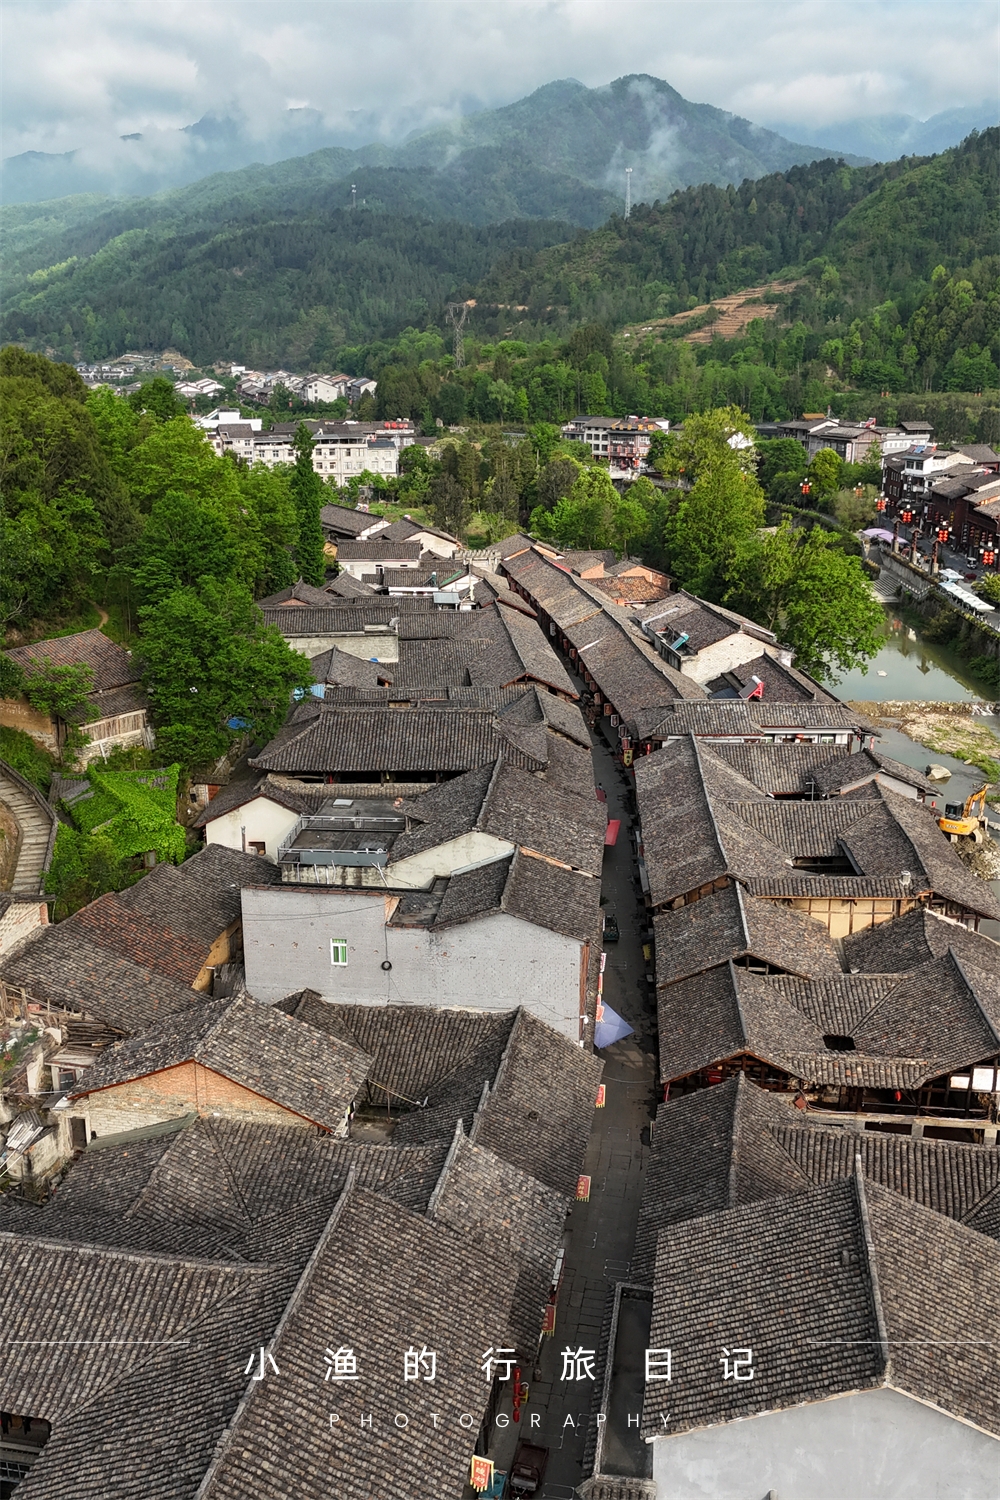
x: 263, y: 820
x: 732, y: 651
x: 475, y: 848
x: 495, y: 962
x: 383, y: 647
x: 874, y: 1445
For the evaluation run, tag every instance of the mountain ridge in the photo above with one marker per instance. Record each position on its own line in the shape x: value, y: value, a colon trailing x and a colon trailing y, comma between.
x: 564, y: 127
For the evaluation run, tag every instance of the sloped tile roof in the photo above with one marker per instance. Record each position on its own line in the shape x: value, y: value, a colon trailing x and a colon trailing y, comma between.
x: 457, y: 1312
x: 539, y: 1111
x: 112, y: 666
x: 220, y: 1189
x: 778, y: 770
x: 821, y: 1286
x: 733, y: 924
x: 110, y: 924
x: 282, y: 1059
x: 66, y: 969
x: 480, y: 1192
x: 201, y: 897
x: 913, y: 939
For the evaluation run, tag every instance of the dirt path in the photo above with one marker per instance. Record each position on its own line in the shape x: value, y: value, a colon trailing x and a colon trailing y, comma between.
x: 735, y: 312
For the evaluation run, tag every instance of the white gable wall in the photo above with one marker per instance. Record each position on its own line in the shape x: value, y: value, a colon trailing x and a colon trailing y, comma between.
x: 495, y: 962
x: 262, y: 820
x: 874, y: 1445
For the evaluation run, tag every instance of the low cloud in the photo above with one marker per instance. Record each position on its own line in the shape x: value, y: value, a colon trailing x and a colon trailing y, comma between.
x: 82, y: 73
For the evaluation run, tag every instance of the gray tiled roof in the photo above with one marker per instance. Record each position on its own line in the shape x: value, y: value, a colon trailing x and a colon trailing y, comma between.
x: 162, y: 1345
x: 822, y: 1324
x: 374, y: 549
x: 778, y: 770
x: 703, y: 822
x: 733, y: 924
x: 513, y: 805
x: 295, y: 596
x: 220, y: 1189
x: 342, y: 669
x: 906, y: 1028
x: 340, y: 518
x: 458, y: 1311
x: 473, y: 1186
x: 112, y: 666
x: 913, y: 939
x: 442, y: 738
x: 539, y: 1111
x: 849, y: 770
x: 276, y: 1056
x: 201, y: 897
x: 67, y: 970
x: 730, y: 716
x: 736, y: 1143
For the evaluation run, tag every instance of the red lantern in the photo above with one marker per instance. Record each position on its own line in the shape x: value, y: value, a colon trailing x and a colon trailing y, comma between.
x: 906, y: 517
x: 943, y: 534
x: 880, y: 505
x: 805, y: 487
x: 988, y: 559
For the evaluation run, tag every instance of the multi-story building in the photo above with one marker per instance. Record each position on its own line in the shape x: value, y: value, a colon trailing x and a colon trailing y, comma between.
x: 623, y: 441
x: 342, y: 450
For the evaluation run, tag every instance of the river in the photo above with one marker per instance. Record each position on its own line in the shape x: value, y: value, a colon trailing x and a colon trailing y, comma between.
x: 909, y: 669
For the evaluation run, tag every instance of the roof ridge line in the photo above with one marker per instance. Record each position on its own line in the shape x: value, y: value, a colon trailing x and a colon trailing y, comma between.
x: 739, y: 1006
x: 708, y: 800
x: 494, y: 774
x: 972, y: 991
x: 870, y: 1253
x: 291, y: 1305
x: 456, y: 1140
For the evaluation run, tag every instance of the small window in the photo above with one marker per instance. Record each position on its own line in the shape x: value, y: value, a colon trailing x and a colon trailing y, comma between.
x: 839, y: 1043
x: 983, y: 1080
x: 338, y: 950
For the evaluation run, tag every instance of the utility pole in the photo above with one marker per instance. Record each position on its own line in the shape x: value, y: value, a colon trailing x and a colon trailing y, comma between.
x: 628, y: 192
x: 354, y: 195
x: 457, y: 314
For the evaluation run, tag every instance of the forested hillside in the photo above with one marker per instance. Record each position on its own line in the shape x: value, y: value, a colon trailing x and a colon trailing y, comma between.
x: 889, y: 284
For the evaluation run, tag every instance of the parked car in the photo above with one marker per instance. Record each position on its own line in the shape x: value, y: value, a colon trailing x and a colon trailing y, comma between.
x: 611, y: 931
x: 528, y: 1469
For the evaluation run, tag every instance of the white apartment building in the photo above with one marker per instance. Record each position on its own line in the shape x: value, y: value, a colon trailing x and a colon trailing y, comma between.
x: 341, y: 451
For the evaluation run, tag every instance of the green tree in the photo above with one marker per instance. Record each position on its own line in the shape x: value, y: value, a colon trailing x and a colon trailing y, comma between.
x: 185, y: 539
x: 703, y: 527
x: 59, y: 689
x: 583, y: 518
x: 215, y: 671
x: 781, y: 469
x: 307, y: 496
x: 158, y: 397
x: 815, y: 596
x: 556, y: 480
x: 448, y: 503
x: 823, y: 476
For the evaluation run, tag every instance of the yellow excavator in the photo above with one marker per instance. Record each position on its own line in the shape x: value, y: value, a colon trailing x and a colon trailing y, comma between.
x: 966, y: 820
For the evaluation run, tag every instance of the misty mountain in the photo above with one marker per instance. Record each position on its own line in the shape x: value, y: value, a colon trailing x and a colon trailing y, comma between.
x: 587, y: 136
x: 886, y: 137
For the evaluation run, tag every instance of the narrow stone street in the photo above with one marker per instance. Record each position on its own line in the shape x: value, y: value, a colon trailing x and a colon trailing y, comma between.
x: 602, y: 1230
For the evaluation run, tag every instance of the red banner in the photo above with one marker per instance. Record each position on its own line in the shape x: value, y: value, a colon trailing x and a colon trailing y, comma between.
x: 481, y: 1473
x: 583, y: 1189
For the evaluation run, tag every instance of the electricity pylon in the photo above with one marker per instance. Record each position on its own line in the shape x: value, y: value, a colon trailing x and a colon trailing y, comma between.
x: 458, y: 323
x: 628, y: 192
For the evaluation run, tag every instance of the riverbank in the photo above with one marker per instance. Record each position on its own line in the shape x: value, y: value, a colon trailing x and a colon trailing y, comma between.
x: 945, y: 728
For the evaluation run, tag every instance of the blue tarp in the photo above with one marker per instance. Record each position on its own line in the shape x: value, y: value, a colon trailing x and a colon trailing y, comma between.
x: 610, y: 1027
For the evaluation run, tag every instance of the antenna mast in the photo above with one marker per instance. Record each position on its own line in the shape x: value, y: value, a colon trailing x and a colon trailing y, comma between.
x: 354, y: 196
x: 458, y: 323
x: 628, y: 192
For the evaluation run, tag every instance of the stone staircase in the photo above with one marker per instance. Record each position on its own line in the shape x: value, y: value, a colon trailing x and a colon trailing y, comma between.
x: 37, y: 822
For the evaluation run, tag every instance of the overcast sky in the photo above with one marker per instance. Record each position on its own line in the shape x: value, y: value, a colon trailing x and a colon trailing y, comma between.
x: 77, y: 71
